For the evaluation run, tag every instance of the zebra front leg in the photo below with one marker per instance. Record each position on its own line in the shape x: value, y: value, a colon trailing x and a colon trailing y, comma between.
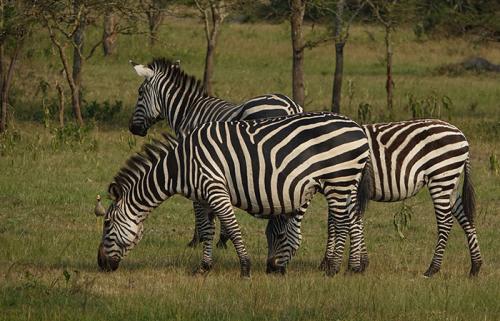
x: 470, y: 233
x: 196, y: 237
x: 206, y: 227
x: 444, y: 224
x: 223, y: 209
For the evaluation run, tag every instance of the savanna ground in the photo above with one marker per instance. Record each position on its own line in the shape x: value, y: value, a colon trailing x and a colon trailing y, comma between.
x: 48, y: 183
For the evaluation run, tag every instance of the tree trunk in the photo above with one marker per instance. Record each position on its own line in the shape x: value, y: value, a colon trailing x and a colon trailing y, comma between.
x: 389, y: 85
x: 60, y: 92
x: 337, y: 77
x: 209, y: 68
x: 215, y: 19
x: 6, y: 81
x: 109, y: 35
x: 296, y: 19
x: 339, y: 57
x: 78, y: 63
x: 155, y: 16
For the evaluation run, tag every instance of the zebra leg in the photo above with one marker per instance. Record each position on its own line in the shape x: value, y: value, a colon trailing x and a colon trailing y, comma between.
x: 223, y: 238
x: 338, y: 230
x: 206, y: 227
x: 470, y: 233
x: 223, y: 209
x: 444, y: 219
x: 357, y: 243
x: 196, y: 238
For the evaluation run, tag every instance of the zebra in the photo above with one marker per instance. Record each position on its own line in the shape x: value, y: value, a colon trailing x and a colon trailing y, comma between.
x: 269, y: 167
x: 405, y: 157
x: 169, y: 93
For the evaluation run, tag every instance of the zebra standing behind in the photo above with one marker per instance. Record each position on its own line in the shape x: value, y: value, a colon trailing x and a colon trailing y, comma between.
x: 404, y: 158
x: 271, y: 167
x: 169, y: 93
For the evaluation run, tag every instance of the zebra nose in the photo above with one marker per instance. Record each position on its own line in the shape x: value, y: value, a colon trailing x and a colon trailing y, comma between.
x: 137, y: 129
x: 105, y: 263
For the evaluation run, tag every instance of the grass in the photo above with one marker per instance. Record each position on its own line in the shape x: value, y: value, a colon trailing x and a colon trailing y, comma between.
x: 48, y: 233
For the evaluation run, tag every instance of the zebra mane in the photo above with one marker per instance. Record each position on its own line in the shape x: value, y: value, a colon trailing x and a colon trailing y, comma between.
x: 150, y: 153
x: 177, y: 75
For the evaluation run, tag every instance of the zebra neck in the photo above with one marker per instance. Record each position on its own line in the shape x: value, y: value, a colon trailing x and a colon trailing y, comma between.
x: 191, y: 110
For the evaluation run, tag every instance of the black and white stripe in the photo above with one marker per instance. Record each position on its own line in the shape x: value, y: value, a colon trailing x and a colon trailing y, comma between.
x: 409, y: 155
x: 169, y: 93
x: 270, y: 168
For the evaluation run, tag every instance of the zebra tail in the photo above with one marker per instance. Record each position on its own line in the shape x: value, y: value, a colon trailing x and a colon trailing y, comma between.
x: 364, y: 189
x: 468, y: 194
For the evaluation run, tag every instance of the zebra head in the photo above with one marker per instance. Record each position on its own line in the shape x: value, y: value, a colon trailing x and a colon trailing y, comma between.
x: 283, y: 239
x: 123, y: 229
x: 160, y: 78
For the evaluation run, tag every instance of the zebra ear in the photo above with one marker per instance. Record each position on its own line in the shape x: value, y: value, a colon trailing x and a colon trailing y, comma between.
x: 115, y: 191
x: 144, y: 71
x: 177, y: 63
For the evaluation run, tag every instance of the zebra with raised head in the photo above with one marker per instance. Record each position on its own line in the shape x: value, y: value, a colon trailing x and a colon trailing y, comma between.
x: 169, y: 93
x: 404, y: 158
x: 271, y: 167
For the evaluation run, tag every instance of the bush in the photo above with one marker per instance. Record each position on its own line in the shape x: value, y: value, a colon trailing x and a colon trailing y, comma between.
x: 104, y: 112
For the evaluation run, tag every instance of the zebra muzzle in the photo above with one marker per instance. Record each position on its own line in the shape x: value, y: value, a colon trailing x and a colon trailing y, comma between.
x: 106, y: 263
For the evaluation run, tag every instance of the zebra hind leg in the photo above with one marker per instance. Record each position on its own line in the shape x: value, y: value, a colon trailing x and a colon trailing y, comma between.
x: 206, y: 226
x: 223, y: 238
x: 470, y: 233
x: 441, y: 199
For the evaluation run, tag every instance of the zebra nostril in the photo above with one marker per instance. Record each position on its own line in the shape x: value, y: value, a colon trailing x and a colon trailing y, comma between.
x: 137, y: 129
x: 105, y: 263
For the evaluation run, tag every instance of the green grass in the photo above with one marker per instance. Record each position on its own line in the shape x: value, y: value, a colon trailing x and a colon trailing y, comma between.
x: 49, y: 237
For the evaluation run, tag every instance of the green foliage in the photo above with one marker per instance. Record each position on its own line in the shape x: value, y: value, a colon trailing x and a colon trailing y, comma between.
x: 431, y: 106
x: 365, y: 113
x: 104, y: 111
x: 72, y: 135
x: 457, y: 17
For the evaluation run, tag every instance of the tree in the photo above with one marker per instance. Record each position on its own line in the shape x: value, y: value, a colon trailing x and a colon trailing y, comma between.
x: 110, y: 33
x: 341, y: 34
x: 15, y: 20
x: 154, y: 10
x: 65, y: 21
x: 213, y: 13
x: 298, y: 8
x: 390, y: 13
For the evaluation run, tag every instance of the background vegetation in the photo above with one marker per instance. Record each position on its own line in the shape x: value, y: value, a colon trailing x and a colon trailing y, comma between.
x: 49, y: 176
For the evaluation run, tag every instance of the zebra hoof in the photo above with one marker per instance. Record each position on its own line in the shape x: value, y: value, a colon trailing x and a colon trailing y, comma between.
x: 193, y: 243
x: 355, y: 269
x: 322, y: 265
x: 364, y: 263
x: 221, y: 245
x: 331, y: 269
x: 245, y: 269
x: 431, y: 271
x: 203, y: 269
x: 474, y: 270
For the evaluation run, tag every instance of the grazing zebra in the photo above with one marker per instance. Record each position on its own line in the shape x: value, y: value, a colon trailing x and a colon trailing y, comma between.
x: 169, y: 93
x: 406, y: 156
x: 270, y: 167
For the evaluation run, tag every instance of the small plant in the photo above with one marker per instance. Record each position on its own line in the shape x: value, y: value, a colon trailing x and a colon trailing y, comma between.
x: 351, y: 91
x: 69, y: 135
x: 8, y: 141
x: 132, y: 142
x: 431, y: 106
x: 365, y: 113
x: 494, y: 164
x: 402, y: 219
